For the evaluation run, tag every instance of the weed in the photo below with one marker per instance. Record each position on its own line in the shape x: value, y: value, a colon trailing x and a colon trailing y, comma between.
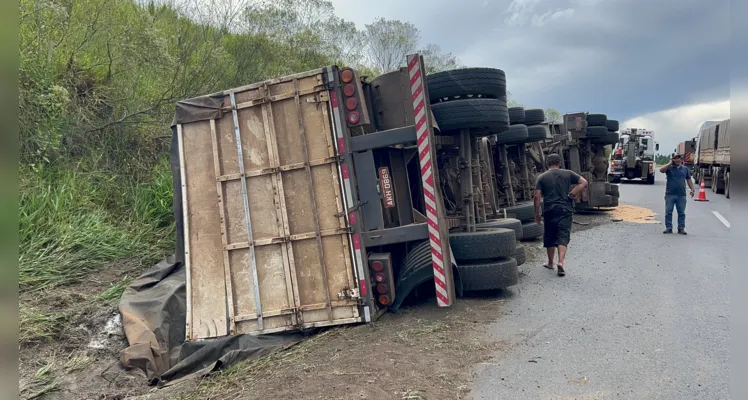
x: 44, y: 381
x: 115, y: 290
x: 69, y: 225
x: 36, y: 326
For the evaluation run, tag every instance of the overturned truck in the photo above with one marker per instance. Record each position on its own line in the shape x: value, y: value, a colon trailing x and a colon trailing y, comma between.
x: 582, y: 139
x: 321, y: 198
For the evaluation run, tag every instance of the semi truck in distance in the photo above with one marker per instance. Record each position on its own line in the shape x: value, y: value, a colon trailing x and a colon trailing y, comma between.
x: 712, y: 157
x: 687, y: 150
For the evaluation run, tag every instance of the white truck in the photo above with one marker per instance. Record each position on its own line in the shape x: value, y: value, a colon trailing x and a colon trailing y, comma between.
x: 633, y: 156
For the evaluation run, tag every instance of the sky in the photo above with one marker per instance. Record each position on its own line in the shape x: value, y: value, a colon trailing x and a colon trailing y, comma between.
x: 659, y: 65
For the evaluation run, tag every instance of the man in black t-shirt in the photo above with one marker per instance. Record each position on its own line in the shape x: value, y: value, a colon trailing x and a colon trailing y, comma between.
x: 554, y: 187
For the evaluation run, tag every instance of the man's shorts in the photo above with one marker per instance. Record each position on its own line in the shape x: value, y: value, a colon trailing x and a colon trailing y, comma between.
x: 556, y: 228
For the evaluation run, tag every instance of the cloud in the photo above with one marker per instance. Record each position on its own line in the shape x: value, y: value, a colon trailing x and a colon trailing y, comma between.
x: 679, y: 124
x: 623, y: 58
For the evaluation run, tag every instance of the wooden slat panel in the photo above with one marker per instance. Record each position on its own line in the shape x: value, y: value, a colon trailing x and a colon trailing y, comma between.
x: 299, y: 234
x: 207, y: 280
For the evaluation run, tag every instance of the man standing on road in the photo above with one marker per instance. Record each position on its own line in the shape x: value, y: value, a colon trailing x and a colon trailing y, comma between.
x: 554, y: 186
x: 675, y: 192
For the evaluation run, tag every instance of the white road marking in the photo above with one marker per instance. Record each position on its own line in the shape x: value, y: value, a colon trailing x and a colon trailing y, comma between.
x: 722, y: 219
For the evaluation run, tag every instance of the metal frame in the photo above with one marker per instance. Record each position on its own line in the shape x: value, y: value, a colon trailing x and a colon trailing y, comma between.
x: 245, y: 200
x: 348, y: 182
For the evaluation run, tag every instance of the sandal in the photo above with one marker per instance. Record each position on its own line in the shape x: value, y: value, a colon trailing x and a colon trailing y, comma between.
x: 549, y: 267
x: 561, y: 271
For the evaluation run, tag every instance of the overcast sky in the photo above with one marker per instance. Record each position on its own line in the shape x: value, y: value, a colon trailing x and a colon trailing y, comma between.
x: 662, y: 65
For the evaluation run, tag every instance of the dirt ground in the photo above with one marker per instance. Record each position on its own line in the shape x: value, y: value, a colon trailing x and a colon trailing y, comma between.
x: 422, y: 352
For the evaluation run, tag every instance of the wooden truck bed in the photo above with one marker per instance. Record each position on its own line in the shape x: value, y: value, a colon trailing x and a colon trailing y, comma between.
x: 266, y: 243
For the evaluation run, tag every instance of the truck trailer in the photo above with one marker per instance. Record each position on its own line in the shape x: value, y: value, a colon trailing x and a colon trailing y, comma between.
x: 712, y: 161
x: 318, y: 199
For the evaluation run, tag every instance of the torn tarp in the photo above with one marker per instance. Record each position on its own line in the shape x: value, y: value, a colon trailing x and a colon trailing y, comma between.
x: 200, y: 108
x: 153, y: 317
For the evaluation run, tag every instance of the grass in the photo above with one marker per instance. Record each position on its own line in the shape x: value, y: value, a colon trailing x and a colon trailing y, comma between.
x: 115, y: 290
x: 48, y: 378
x: 36, y: 326
x: 74, y: 220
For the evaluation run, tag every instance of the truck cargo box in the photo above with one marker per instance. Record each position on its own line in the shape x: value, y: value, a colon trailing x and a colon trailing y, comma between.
x: 722, y: 154
x: 266, y: 247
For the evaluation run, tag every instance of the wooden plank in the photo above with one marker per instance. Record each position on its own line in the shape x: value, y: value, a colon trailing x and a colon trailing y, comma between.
x: 186, y: 234
x: 280, y: 202
x: 269, y: 171
x: 224, y: 234
x: 262, y: 100
x: 207, y: 280
x: 312, y: 197
x: 335, y: 175
x: 284, y: 239
x: 283, y: 79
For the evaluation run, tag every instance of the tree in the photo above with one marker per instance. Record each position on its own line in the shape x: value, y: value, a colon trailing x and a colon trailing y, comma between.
x: 389, y: 41
x: 512, y: 102
x: 552, y: 115
x: 437, y: 61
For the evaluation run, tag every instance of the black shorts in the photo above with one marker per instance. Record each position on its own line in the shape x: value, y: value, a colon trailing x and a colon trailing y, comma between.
x: 556, y: 228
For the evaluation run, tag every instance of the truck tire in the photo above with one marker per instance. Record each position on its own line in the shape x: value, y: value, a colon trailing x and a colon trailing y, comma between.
x: 486, y: 114
x: 597, y: 120
x: 727, y: 185
x: 534, y: 116
x: 535, y: 133
x: 482, y: 245
x: 523, y: 212
x: 614, y: 201
x: 594, y: 132
x: 650, y: 179
x: 612, y: 125
x: 516, y: 115
x: 608, y: 138
x: 531, y: 230
x: 520, y: 254
x: 488, y: 275
x: 506, y: 223
x: 475, y: 82
x: 515, y: 134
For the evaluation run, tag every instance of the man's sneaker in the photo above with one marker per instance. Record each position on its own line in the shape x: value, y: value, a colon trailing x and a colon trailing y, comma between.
x: 682, y: 232
x: 667, y: 231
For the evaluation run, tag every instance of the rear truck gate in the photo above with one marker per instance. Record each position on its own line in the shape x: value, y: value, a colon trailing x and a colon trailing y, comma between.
x: 296, y: 211
x: 268, y: 243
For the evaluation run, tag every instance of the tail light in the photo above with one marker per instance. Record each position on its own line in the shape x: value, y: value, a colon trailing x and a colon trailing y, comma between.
x: 651, y: 168
x: 357, y: 113
x: 382, y: 276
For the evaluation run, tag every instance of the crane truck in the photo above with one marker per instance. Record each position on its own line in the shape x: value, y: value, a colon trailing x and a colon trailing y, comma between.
x: 633, y: 156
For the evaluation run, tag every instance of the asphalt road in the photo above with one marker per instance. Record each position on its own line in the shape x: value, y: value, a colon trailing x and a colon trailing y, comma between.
x: 639, y: 315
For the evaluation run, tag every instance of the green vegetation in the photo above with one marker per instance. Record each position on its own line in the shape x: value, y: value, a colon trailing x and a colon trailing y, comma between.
x: 98, y: 80
x: 662, y: 159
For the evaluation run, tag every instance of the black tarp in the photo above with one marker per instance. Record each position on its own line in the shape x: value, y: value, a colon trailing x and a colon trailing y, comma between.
x: 153, y: 317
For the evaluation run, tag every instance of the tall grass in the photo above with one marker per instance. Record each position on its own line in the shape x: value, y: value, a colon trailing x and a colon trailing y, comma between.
x: 74, y: 220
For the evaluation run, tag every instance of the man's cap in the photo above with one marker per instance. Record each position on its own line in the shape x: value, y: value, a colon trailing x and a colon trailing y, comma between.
x: 554, y: 159
x: 676, y: 155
